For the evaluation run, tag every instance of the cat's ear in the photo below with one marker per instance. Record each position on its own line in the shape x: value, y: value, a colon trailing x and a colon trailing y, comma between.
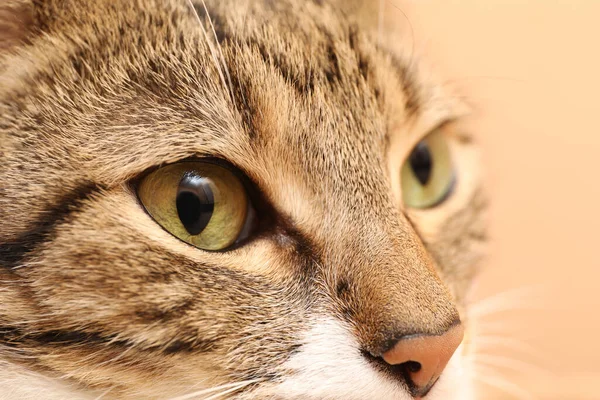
x: 17, y: 23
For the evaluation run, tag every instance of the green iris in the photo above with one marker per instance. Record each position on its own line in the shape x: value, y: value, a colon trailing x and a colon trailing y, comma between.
x: 428, y: 175
x: 201, y: 203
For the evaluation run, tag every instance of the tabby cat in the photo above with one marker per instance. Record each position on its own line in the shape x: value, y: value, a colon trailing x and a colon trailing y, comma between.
x: 251, y: 199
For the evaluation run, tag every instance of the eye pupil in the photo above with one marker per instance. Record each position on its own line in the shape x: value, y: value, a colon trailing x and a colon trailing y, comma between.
x: 421, y: 162
x: 195, y: 202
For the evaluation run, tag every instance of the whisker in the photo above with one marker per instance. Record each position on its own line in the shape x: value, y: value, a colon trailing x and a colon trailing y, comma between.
x: 515, y: 305
x: 210, y: 46
x: 215, y: 396
x: 239, y: 84
x: 231, y: 387
x: 507, y: 301
x: 117, y: 357
x: 506, y: 386
x: 524, y: 332
x: 104, y: 393
x: 521, y: 346
x: 220, y: 48
x: 511, y: 363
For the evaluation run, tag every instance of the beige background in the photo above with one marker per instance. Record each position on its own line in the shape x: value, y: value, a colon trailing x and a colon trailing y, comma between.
x: 532, y: 70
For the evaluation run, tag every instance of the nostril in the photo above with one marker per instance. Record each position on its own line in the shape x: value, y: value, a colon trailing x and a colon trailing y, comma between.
x: 411, y: 371
x: 400, y: 372
x: 412, y: 366
x: 419, y: 360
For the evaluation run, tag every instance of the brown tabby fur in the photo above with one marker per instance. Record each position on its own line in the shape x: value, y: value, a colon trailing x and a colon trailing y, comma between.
x: 95, y: 298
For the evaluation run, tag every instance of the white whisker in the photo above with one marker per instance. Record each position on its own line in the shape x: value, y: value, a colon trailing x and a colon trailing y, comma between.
x: 118, y: 357
x: 511, y: 363
x: 104, y: 393
x: 504, y: 385
x: 229, y: 387
x: 220, y: 48
x: 510, y: 300
x: 210, y: 47
x: 494, y: 327
x: 217, y: 395
x: 486, y: 341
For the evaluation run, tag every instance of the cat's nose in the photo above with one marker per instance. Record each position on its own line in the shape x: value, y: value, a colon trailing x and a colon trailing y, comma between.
x: 422, y: 358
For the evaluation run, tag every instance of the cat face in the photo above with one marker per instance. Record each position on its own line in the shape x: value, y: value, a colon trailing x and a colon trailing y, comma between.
x: 341, y: 208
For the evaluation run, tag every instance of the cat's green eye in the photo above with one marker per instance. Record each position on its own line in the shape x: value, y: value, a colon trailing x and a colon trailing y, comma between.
x: 427, y: 175
x: 201, y: 203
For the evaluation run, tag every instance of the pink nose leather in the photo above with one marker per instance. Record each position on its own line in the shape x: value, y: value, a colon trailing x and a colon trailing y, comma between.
x: 432, y: 353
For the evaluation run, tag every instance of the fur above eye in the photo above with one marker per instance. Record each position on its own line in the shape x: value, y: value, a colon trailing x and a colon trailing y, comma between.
x: 200, y: 202
x: 427, y: 175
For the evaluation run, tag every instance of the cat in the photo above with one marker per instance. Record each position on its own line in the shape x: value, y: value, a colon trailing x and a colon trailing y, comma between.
x: 232, y: 199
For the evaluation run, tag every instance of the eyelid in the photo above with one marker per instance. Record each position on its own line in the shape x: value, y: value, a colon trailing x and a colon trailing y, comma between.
x: 430, y: 120
x: 134, y: 182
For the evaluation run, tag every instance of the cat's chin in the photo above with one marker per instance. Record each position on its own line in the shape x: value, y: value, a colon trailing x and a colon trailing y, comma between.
x: 330, y: 366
